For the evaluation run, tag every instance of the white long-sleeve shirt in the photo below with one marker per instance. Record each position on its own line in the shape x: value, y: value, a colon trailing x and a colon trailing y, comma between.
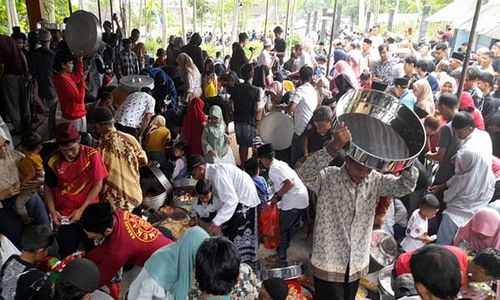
x: 231, y: 186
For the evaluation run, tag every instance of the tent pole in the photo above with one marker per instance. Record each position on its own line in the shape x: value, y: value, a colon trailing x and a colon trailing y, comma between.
x: 469, y: 47
x: 331, y: 39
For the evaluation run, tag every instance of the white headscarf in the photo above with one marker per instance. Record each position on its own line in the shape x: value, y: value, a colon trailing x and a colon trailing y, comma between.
x: 470, y: 188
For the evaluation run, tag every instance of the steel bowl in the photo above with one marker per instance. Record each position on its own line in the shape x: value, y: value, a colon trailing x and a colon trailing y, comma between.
x: 386, y: 135
x: 83, y: 33
x: 383, y: 250
x: 291, y: 270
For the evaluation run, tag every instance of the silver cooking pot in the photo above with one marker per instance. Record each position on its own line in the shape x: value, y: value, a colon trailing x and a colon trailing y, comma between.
x: 83, y: 33
x: 386, y: 135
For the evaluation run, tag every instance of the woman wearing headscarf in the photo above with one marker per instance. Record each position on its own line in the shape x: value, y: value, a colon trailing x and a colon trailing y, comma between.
x: 467, y: 104
x: 482, y: 231
x: 425, y: 100
x: 156, y: 140
x: 215, y: 141
x: 194, y: 51
x: 192, y: 126
x: 467, y: 191
x: 190, y: 77
x: 344, y: 77
x: 168, y: 273
x: 447, y: 84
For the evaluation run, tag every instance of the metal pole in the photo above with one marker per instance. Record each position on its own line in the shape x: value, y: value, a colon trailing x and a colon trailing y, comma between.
x: 331, y: 39
x: 287, y: 13
x: 222, y: 27
x: 469, y: 48
x: 194, y: 15
x: 265, y: 22
x: 182, y: 22
x: 99, y: 10
x: 70, y: 7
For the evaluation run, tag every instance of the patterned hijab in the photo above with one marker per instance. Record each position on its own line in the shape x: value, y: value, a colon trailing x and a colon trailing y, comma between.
x: 214, y: 135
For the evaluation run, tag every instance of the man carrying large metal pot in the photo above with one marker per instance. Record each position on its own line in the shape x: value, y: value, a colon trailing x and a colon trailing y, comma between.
x: 347, y: 198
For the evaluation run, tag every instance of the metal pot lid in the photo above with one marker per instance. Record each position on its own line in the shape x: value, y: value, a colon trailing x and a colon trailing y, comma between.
x: 134, y: 83
x: 291, y: 270
x: 386, y: 135
x: 161, y: 177
x: 277, y: 129
x: 383, y: 247
x: 83, y: 33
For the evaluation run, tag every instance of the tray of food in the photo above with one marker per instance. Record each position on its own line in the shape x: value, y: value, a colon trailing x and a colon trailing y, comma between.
x: 184, y: 197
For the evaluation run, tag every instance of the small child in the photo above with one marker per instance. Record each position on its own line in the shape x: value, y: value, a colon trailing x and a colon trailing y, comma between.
x: 30, y: 168
x: 180, y: 164
x: 205, y: 209
x: 416, y: 231
x: 252, y: 168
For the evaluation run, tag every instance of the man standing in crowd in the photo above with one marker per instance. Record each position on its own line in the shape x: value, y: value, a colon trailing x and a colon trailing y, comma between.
x: 490, y: 104
x: 486, y: 63
x: 496, y: 60
x: 405, y: 95
x: 239, y: 58
x: 126, y: 62
x: 382, y: 69
x: 347, y: 198
x: 470, y: 86
x: 302, y: 103
x: 42, y: 62
x: 410, y: 72
x: 448, y: 140
x: 279, y: 44
x: 13, y: 71
x: 422, y: 69
x: 135, y: 34
x: 123, y: 156
x: 125, y: 239
x: 21, y: 278
x: 290, y: 194
x: 440, y: 52
x: 237, y: 216
x: 369, y: 56
x: 303, y: 58
x: 245, y: 97
x: 134, y: 115
x: 73, y: 180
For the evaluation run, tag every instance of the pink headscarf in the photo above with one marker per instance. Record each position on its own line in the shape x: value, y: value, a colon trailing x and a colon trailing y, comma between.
x: 342, y: 67
x: 482, y: 231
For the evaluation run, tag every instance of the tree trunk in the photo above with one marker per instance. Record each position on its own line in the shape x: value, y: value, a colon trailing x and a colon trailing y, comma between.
x: 129, y: 17
x: 140, y: 15
x: 287, y: 16
x: 376, y: 10
x: 194, y: 15
x: 164, y: 16
x: 183, y: 28
x: 292, y: 23
x: 222, y: 27
x: 361, y: 14
x: 235, y: 20
x: 265, y: 21
x: 11, y: 13
x: 81, y: 5
x: 277, y: 12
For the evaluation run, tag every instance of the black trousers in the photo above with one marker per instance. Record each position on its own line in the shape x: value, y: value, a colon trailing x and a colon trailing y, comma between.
x: 130, y: 130
x: 326, y: 290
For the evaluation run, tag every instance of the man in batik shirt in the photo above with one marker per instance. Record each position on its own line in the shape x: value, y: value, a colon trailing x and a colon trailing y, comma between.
x: 73, y: 180
x: 123, y: 156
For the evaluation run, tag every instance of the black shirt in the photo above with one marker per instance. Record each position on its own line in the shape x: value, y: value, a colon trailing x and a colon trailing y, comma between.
x: 196, y: 55
x: 42, y: 61
x: 238, y: 59
x: 315, y: 141
x: 280, y: 46
x: 490, y: 106
x: 496, y: 64
x: 245, y: 97
x: 24, y: 280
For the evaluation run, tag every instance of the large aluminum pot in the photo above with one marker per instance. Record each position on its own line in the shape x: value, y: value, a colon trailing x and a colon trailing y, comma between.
x: 134, y: 83
x: 386, y: 135
x: 276, y: 128
x: 83, y: 33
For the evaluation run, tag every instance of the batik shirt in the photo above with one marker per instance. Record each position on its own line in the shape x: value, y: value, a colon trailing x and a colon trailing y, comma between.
x: 383, y: 71
x: 345, y: 214
x: 122, y: 154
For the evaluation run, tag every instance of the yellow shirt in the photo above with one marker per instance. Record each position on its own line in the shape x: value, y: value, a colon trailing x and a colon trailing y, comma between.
x: 31, y: 167
x: 157, y: 140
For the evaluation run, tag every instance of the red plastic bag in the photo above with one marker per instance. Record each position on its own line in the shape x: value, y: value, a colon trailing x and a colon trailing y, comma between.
x: 269, y: 225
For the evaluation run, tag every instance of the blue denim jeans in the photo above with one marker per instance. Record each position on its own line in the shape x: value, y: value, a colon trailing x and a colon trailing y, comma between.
x: 288, y: 220
x: 447, y: 231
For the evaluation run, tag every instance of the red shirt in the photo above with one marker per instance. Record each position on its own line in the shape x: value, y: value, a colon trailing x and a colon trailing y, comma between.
x: 132, y: 242
x: 72, y: 181
x: 70, y: 89
x: 402, y: 265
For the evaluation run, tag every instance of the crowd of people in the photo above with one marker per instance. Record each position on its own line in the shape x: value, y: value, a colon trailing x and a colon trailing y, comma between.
x: 78, y: 190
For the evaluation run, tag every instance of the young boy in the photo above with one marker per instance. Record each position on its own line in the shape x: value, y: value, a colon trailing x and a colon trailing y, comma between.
x: 252, y: 168
x: 416, y: 231
x: 30, y: 168
x: 180, y: 163
x: 21, y: 279
x: 217, y: 268
x: 204, y: 209
x: 319, y: 132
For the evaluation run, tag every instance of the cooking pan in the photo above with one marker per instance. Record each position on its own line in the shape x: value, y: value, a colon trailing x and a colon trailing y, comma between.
x: 83, y: 33
x: 386, y: 135
x: 276, y: 128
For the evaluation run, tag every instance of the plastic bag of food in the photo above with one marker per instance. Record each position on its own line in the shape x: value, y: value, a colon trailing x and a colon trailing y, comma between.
x: 269, y: 225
